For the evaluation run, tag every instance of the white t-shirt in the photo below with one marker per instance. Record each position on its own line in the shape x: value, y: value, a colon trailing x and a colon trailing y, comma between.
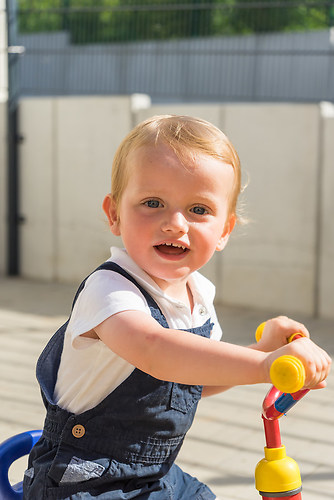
x: 89, y: 370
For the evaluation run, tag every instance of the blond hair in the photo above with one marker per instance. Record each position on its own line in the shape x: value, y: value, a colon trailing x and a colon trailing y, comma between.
x: 186, y: 136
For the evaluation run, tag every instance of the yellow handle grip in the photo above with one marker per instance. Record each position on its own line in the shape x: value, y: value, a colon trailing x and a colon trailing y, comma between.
x: 259, y: 331
x: 287, y: 373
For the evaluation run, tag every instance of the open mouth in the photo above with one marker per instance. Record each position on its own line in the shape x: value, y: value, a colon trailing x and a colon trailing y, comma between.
x: 171, y: 249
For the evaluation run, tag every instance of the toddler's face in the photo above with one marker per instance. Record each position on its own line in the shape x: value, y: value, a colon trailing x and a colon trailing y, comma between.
x: 173, y: 216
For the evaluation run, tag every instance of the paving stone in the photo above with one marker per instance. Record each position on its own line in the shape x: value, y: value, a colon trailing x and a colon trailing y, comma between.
x: 226, y: 440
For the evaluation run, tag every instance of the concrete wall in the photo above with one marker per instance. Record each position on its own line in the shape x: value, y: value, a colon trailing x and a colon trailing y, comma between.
x: 3, y: 51
x: 275, y: 262
x: 66, y: 163
x: 3, y: 184
x: 326, y: 224
x: 282, y: 260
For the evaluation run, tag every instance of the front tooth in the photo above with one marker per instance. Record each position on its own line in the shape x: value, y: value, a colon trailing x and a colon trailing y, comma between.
x: 175, y: 245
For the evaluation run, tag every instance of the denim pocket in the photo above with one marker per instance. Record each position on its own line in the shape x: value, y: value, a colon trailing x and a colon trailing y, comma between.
x: 71, y: 465
x: 81, y: 470
x: 184, y: 397
x: 80, y: 477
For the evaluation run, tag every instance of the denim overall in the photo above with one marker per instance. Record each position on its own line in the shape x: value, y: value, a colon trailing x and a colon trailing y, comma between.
x: 125, y: 447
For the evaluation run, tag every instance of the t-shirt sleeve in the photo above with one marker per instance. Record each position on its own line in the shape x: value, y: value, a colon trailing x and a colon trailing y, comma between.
x: 105, y: 293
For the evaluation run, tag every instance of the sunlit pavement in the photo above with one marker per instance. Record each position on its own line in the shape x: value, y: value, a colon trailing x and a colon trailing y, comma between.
x: 226, y: 440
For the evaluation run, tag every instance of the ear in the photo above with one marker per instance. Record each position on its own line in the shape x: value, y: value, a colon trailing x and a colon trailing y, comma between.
x: 110, y: 209
x: 230, y: 223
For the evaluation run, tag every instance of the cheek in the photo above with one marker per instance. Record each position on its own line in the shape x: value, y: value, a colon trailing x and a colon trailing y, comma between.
x: 134, y: 228
x: 214, y: 230
x: 211, y: 237
x: 207, y: 238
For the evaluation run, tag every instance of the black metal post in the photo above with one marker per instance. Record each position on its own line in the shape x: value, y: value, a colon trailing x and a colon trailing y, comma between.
x: 13, y: 244
x: 13, y: 260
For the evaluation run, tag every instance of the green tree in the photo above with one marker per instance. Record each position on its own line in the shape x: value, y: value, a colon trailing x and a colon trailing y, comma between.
x: 116, y: 20
x: 254, y: 16
x: 131, y: 20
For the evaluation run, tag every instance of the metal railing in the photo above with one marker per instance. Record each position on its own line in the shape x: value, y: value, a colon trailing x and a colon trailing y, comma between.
x: 176, y: 51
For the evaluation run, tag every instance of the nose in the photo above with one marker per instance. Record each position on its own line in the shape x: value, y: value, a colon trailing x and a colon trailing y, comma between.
x: 175, y: 222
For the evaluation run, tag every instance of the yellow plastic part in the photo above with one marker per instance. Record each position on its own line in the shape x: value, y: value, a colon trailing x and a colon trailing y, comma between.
x: 276, y: 472
x: 287, y: 373
x: 259, y: 331
x: 291, y: 338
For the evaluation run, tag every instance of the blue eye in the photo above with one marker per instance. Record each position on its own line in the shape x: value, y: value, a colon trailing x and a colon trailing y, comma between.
x: 152, y: 203
x: 199, y: 210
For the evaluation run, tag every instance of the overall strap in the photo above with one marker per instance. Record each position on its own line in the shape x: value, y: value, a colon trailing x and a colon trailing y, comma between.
x: 47, y: 365
x: 111, y: 266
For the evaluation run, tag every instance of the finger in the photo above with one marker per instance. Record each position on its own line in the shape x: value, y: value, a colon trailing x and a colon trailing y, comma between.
x: 296, y: 327
x: 318, y: 367
x: 302, y: 329
x: 321, y: 385
x: 291, y: 326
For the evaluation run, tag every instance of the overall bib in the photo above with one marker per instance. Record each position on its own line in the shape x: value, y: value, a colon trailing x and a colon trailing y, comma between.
x: 125, y: 447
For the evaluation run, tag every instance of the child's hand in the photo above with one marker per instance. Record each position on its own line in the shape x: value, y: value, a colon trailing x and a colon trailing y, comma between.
x: 277, y: 332
x: 316, y: 361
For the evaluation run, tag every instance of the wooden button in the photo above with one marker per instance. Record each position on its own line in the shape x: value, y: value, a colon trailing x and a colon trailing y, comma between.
x: 78, y: 431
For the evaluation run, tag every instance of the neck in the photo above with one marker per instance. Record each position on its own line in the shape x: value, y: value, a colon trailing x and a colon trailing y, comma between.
x: 190, y: 298
x: 178, y: 291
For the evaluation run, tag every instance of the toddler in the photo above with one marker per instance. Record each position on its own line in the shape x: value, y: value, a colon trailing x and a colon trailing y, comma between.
x: 121, y: 379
